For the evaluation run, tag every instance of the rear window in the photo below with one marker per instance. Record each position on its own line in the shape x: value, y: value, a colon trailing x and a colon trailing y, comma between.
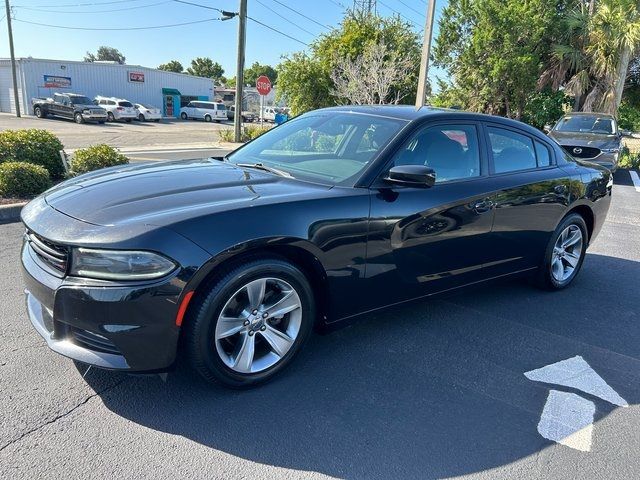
x: 220, y: 106
x: 125, y: 104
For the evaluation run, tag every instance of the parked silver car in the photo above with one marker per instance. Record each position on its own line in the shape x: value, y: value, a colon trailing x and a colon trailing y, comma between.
x: 589, y: 136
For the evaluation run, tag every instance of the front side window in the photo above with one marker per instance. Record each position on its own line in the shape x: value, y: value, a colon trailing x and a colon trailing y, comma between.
x: 325, y: 148
x: 511, y: 151
x: 450, y: 150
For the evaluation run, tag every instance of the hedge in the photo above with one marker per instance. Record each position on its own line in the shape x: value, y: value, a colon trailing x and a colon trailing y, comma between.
x: 35, y: 146
x: 96, y: 157
x: 23, y: 180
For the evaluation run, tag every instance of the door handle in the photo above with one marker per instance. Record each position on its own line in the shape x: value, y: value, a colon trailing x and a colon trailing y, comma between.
x: 483, y: 206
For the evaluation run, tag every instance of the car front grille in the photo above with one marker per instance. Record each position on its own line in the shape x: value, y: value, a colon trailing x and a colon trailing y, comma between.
x: 51, y: 254
x: 579, y: 151
x: 93, y: 341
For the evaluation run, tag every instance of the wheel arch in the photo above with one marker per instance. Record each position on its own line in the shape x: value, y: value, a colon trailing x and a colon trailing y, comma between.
x: 587, y: 214
x: 297, y: 252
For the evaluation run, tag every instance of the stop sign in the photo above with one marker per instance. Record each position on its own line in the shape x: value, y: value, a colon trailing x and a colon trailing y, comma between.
x: 263, y: 84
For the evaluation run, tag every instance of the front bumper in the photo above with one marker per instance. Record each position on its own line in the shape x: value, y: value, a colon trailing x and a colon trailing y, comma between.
x: 119, y: 327
x: 94, y: 117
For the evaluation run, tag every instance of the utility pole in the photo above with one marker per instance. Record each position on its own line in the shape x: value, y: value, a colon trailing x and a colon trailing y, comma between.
x: 426, y: 47
x: 16, y: 97
x: 242, y: 36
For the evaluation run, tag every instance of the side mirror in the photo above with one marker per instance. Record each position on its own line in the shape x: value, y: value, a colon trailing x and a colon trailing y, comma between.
x: 412, y: 176
x: 547, y: 128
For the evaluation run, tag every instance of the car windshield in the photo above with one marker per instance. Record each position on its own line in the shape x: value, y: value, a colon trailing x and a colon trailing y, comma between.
x: 81, y: 100
x: 586, y: 124
x: 330, y: 148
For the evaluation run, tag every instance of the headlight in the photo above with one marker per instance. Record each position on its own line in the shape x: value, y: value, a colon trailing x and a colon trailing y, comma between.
x: 86, y: 112
x: 119, y: 264
x: 610, y: 150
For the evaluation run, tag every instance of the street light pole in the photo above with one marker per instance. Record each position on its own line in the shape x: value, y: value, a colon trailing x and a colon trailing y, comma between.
x: 424, y: 62
x: 242, y: 36
x: 16, y: 97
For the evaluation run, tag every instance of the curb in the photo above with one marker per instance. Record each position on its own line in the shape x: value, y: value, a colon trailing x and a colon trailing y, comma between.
x: 11, y: 213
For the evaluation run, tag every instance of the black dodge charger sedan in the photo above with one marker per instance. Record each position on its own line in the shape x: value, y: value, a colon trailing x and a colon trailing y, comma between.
x: 233, y: 261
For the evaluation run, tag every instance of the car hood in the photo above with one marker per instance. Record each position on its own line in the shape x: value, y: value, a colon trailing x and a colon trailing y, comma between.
x: 162, y: 193
x: 583, y: 139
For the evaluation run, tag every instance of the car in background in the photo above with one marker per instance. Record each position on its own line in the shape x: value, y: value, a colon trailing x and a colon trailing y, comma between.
x: 232, y: 261
x: 246, y: 115
x: 269, y: 114
x: 148, y: 112
x: 207, y: 111
x: 117, y: 108
x: 589, y: 136
x: 69, y: 105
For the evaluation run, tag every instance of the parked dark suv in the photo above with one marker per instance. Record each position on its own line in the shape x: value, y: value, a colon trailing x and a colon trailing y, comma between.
x: 589, y: 136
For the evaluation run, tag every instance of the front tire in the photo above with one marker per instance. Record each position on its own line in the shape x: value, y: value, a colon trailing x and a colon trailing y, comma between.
x: 78, y: 118
x: 38, y: 112
x: 141, y: 117
x: 183, y: 116
x: 564, y: 254
x: 250, y: 322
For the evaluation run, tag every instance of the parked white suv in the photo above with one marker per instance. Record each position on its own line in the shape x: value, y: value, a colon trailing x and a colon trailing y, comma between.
x: 117, y: 108
x: 206, y: 111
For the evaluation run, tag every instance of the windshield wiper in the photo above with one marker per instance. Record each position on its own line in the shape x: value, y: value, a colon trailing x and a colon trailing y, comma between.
x: 261, y: 166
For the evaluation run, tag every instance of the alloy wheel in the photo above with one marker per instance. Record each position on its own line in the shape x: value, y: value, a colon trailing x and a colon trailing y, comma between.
x: 567, y: 252
x: 258, y: 325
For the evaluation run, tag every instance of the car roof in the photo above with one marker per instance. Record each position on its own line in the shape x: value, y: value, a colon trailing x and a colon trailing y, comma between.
x: 410, y: 113
x: 588, y: 114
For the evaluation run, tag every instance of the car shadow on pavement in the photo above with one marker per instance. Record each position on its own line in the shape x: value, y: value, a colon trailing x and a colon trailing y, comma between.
x: 429, y: 389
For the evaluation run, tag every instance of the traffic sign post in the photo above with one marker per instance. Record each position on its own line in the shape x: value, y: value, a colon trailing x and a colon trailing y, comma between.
x: 263, y: 85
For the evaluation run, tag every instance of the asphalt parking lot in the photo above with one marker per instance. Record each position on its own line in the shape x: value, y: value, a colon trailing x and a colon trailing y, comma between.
x: 434, y: 389
x: 121, y: 134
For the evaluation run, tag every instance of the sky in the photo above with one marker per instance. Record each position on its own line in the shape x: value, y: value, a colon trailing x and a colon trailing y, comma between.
x: 214, y: 39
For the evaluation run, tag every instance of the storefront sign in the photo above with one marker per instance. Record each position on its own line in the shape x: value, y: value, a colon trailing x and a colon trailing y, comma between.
x: 54, y: 81
x: 137, y: 77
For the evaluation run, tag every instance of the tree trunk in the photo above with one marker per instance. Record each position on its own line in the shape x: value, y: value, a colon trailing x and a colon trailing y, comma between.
x: 620, y: 79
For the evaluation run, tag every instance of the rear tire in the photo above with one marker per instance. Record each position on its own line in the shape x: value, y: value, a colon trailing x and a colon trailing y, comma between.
x: 564, y: 254
x: 207, y: 118
x: 216, y: 344
x: 110, y: 117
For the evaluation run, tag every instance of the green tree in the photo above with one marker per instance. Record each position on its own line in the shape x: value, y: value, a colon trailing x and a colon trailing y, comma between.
x: 494, y: 50
x: 172, y: 66
x: 105, y: 54
x: 205, y: 67
x: 252, y: 73
x: 304, y: 79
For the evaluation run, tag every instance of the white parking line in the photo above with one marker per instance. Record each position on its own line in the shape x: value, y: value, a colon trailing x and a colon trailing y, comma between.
x: 635, y: 179
x: 576, y: 373
x: 567, y: 419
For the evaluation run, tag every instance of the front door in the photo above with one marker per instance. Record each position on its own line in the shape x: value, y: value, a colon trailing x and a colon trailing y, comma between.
x: 424, y: 240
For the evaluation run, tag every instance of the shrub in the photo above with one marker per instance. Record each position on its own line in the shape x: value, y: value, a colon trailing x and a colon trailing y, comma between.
x: 629, y: 117
x: 628, y: 159
x: 545, y: 108
x: 226, y: 135
x: 96, y: 157
x: 249, y: 132
x: 21, y: 179
x: 39, y: 147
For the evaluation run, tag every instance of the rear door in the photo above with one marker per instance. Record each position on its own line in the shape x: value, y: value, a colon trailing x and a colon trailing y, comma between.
x: 424, y: 240
x: 532, y: 194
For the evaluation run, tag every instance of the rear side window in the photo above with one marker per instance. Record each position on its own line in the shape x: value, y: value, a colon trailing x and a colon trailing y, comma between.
x: 511, y: 151
x: 543, y: 155
x: 110, y: 102
x: 450, y: 150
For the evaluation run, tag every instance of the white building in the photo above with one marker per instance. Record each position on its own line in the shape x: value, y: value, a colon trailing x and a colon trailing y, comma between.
x: 42, y: 78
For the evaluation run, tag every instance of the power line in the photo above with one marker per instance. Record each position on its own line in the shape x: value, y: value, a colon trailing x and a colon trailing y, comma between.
x: 198, y: 5
x: 341, y: 5
x: 395, y: 11
x: 93, y: 11
x: 302, y: 14
x: 411, y: 8
x: 151, y: 27
x: 286, y: 19
x: 112, y: 2
x: 277, y: 31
